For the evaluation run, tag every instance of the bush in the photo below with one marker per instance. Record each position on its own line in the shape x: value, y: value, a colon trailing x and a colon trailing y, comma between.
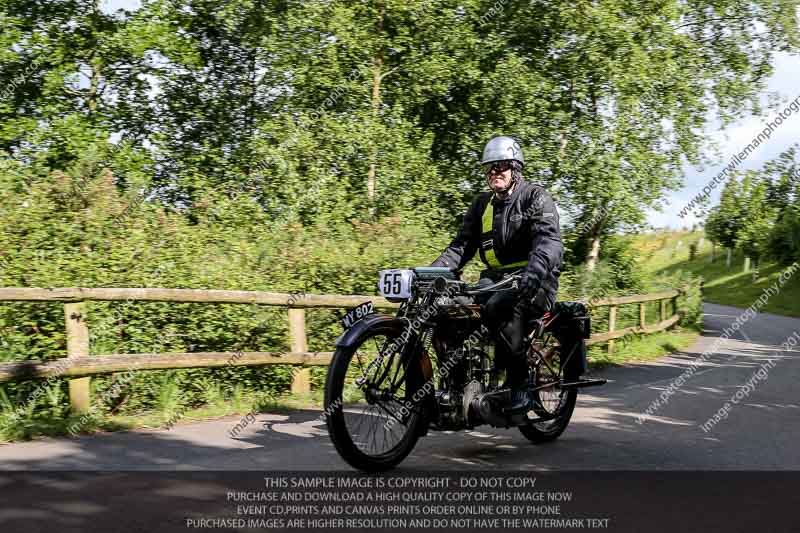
x: 80, y: 228
x: 690, y: 302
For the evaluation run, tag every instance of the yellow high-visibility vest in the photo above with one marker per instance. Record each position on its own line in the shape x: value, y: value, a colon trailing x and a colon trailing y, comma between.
x: 487, y: 240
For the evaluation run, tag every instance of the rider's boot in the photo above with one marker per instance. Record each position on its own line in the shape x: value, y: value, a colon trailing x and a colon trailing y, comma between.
x: 518, y: 396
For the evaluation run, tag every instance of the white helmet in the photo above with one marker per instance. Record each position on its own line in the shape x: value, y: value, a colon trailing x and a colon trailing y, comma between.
x: 502, y: 148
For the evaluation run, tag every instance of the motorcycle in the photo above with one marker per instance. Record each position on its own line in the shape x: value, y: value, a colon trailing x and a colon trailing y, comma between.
x: 433, y: 367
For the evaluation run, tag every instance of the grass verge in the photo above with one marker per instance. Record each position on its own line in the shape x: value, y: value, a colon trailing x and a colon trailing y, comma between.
x: 640, y: 348
x: 19, y: 428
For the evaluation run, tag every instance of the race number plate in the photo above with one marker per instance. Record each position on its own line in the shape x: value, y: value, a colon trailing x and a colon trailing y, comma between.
x: 356, y: 314
x: 395, y: 283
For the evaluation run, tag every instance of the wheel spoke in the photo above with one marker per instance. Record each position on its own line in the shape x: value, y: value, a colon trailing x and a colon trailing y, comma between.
x: 358, y: 359
x: 388, y: 365
x: 394, y: 377
x: 360, y: 423
x: 377, y: 425
x: 390, y: 413
x: 551, y: 400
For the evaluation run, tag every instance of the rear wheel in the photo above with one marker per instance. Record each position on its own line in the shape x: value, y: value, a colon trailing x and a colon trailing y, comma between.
x: 550, y: 400
x: 373, y: 415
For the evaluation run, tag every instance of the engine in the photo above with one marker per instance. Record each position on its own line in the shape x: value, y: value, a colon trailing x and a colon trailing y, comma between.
x: 465, y: 375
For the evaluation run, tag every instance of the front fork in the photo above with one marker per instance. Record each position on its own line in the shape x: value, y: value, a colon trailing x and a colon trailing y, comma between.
x: 414, y: 353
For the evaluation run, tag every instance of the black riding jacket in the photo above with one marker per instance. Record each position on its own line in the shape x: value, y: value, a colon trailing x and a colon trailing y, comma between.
x: 525, y: 227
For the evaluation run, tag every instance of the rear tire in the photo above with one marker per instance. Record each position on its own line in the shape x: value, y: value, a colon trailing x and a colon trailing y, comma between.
x: 541, y: 432
x: 343, y: 395
x: 550, y: 430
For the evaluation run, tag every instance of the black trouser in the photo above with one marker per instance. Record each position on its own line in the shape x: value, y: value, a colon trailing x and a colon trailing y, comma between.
x: 507, y: 319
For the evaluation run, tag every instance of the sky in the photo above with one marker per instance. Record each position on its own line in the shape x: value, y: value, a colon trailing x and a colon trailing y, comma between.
x: 730, y: 141
x: 734, y: 139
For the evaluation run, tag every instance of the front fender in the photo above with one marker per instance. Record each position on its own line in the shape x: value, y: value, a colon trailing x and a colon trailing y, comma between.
x: 349, y: 337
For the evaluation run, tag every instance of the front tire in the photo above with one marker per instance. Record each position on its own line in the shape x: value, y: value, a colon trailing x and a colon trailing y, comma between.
x: 390, y: 435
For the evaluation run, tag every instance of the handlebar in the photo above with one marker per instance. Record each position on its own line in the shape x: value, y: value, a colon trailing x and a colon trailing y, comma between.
x: 440, y: 283
x: 479, y: 289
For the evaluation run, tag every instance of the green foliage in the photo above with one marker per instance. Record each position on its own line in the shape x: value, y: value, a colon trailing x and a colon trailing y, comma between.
x: 724, y: 221
x: 618, y: 272
x: 759, y: 214
x: 783, y: 195
x: 209, y: 98
x: 784, y: 242
x: 690, y: 302
x: 759, y: 217
x: 73, y: 230
x: 621, y: 259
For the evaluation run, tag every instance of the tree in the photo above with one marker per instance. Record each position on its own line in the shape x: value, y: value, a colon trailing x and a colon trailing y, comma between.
x: 81, y: 86
x: 783, y: 193
x: 332, y: 111
x: 607, y: 97
x: 757, y: 215
x: 725, y: 220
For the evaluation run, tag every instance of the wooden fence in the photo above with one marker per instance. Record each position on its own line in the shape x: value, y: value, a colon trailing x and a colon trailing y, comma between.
x: 79, y: 365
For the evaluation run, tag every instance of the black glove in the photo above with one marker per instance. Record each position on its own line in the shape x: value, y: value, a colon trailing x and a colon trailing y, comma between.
x: 529, y: 285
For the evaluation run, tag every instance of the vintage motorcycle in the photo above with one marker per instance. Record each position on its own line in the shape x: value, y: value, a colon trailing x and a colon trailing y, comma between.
x: 432, y: 366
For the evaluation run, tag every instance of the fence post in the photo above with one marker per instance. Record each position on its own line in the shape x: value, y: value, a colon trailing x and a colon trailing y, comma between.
x: 663, y: 304
x: 301, y: 382
x: 75, y: 315
x: 642, y: 312
x: 612, y: 323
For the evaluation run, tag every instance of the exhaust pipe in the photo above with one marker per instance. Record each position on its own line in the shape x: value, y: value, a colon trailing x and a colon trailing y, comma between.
x: 482, y: 405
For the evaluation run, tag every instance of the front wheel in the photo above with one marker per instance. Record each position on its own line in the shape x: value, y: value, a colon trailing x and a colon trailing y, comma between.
x: 551, y: 401
x: 373, y: 413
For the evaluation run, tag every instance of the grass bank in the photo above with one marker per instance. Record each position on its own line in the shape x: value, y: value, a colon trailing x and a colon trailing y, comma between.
x: 669, y: 252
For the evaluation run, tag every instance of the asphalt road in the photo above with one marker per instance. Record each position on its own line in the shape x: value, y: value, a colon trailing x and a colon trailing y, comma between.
x: 760, y: 432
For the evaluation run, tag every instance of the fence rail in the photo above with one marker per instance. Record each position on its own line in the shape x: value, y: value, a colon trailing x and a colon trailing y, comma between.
x: 79, y: 365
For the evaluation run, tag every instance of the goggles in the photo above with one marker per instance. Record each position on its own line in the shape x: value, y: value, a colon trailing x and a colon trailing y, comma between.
x: 497, y: 167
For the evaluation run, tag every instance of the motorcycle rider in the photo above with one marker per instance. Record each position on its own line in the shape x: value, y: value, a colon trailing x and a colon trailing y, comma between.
x: 514, y: 225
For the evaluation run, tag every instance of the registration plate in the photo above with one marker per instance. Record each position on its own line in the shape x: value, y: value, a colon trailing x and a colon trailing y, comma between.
x: 356, y: 314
